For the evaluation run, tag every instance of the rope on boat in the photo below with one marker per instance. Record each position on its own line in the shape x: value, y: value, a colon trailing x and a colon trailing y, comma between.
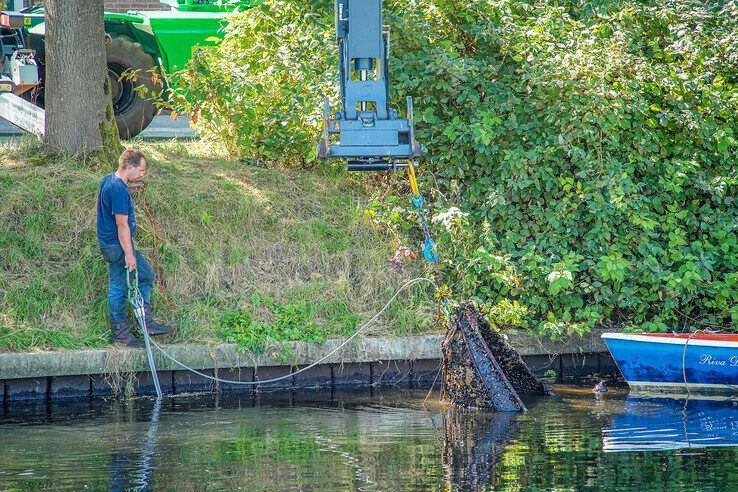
x: 405, y: 286
x: 684, y: 359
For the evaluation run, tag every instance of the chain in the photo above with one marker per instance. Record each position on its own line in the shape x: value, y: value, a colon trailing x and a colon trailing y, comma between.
x: 430, y: 252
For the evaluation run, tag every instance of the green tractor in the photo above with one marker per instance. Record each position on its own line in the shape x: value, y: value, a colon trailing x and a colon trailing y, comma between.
x: 141, y: 43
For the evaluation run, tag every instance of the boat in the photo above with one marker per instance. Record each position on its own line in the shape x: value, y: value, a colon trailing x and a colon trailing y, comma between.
x: 702, y: 362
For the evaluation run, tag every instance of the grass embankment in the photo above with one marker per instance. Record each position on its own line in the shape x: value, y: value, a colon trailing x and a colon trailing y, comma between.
x: 279, y: 254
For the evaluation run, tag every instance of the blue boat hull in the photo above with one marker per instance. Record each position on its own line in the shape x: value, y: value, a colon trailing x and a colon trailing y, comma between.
x: 663, y: 364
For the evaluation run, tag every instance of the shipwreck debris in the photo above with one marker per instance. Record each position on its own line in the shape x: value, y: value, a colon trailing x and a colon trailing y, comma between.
x: 480, y: 369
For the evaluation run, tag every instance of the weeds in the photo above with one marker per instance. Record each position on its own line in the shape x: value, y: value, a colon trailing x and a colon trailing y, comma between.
x: 291, y: 322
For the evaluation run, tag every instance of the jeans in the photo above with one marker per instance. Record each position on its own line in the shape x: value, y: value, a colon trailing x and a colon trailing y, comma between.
x: 117, y: 287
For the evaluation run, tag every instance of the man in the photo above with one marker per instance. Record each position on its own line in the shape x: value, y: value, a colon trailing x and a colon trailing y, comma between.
x: 116, y: 226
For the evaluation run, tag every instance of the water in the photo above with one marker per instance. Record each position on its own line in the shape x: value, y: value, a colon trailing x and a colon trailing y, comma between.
x: 384, y: 441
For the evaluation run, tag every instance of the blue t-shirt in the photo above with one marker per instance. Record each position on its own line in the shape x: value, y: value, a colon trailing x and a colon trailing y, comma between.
x: 113, y: 197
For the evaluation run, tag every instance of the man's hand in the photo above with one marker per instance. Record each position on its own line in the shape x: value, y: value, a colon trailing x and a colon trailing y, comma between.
x: 124, y: 236
x: 130, y: 262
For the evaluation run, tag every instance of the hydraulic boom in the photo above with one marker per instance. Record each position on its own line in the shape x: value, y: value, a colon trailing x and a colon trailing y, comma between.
x: 366, y: 131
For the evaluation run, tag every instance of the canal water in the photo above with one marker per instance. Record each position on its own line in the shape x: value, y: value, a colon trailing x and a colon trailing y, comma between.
x: 383, y: 440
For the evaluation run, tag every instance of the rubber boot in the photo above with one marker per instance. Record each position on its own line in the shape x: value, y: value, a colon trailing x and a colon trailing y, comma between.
x: 121, y: 333
x: 152, y: 326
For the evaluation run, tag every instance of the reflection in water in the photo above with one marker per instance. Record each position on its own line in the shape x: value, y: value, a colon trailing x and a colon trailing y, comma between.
x: 383, y: 440
x: 133, y: 470
x: 474, y: 443
x: 668, y: 423
x: 361, y: 476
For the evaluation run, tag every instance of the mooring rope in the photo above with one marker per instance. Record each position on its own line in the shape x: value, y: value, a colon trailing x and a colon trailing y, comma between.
x: 406, y: 285
x: 684, y: 359
x: 684, y: 354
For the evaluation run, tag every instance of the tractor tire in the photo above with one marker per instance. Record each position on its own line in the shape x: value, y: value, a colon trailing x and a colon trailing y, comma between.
x: 132, y: 112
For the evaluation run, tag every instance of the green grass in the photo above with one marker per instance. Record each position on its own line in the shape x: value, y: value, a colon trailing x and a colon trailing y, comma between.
x: 216, y: 231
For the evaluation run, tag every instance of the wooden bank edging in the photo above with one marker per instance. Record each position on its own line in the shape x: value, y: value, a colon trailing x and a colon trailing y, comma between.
x: 370, y: 360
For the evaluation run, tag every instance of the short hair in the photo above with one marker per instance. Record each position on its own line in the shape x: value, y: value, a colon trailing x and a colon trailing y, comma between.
x: 131, y: 158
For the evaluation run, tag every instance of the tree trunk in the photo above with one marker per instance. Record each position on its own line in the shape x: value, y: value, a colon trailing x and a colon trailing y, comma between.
x: 78, y: 107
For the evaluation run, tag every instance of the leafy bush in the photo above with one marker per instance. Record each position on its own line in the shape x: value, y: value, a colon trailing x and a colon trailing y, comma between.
x: 260, y: 91
x: 592, y: 147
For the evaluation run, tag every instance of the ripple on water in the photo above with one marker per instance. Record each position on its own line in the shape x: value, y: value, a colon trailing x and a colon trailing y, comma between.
x: 385, y: 442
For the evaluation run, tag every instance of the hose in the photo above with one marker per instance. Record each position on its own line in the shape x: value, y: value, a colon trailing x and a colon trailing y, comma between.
x: 136, y: 300
x: 166, y: 354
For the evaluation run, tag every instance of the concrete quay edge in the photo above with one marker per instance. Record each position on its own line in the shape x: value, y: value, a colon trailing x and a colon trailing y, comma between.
x: 224, y: 356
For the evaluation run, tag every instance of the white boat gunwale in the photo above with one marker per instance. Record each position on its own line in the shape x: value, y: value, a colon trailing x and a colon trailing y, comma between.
x: 633, y: 337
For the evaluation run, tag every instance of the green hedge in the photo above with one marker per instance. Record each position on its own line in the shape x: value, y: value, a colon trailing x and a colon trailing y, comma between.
x: 589, y: 148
